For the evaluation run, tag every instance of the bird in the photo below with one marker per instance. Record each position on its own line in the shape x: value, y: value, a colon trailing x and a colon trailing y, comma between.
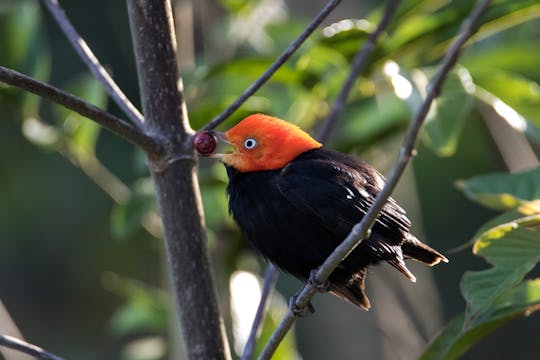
x: 295, y: 201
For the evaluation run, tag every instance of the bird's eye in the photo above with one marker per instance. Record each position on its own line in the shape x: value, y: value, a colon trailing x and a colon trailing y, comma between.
x: 250, y: 143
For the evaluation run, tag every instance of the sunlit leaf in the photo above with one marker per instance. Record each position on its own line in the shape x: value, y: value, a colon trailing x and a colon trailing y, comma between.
x: 503, y: 191
x: 513, y: 253
x: 457, y: 336
x: 516, y: 91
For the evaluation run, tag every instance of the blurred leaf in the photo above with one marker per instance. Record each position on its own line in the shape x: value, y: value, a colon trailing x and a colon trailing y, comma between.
x: 457, y: 337
x: 505, y: 14
x: 126, y: 218
x: 82, y: 133
x: 146, y: 309
x: 503, y: 191
x: 448, y: 112
x: 323, y: 66
x: 518, y: 92
x: 235, y: 6
x: 346, y: 36
x: 365, y: 122
x: 19, y: 34
x: 249, y: 69
x: 509, y: 56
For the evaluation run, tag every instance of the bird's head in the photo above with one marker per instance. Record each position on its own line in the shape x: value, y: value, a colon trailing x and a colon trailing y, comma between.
x: 263, y: 142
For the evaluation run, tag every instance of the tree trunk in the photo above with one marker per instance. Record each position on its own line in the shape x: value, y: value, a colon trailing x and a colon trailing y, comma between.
x: 174, y: 174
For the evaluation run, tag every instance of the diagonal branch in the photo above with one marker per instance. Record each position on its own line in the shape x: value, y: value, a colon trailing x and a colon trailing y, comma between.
x: 88, y: 57
x: 108, y: 121
x: 27, y: 348
x: 358, y: 64
x: 274, y: 67
x: 361, y: 230
x: 270, y: 278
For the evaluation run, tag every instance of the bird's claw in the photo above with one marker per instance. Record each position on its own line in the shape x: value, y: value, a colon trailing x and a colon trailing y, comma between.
x: 299, y: 311
x: 320, y: 287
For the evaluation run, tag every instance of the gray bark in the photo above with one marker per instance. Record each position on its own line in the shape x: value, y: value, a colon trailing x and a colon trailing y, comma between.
x: 174, y: 174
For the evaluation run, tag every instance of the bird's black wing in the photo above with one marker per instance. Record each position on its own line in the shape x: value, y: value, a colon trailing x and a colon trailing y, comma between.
x: 338, y: 195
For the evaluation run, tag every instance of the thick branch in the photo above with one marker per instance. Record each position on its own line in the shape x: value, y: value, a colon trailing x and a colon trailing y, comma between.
x: 358, y: 64
x: 291, y: 49
x: 361, y: 230
x: 108, y: 121
x: 27, y: 348
x: 270, y: 278
x: 88, y: 57
x: 176, y: 183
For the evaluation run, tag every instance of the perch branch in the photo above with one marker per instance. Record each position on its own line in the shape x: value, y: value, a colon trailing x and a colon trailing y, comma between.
x: 361, y: 230
x: 270, y: 278
x: 358, y: 64
x: 27, y: 348
x: 274, y: 67
x: 88, y: 57
x: 108, y: 121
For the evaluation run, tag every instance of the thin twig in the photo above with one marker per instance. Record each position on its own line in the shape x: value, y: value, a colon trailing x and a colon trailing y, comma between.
x: 27, y: 348
x: 88, y: 57
x: 274, y: 67
x: 108, y: 121
x: 361, y: 230
x: 270, y: 278
x: 358, y: 64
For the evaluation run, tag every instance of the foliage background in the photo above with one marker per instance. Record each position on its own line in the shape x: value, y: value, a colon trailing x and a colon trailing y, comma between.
x: 68, y: 251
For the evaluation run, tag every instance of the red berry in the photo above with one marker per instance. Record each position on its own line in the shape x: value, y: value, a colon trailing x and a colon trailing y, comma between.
x: 205, y: 142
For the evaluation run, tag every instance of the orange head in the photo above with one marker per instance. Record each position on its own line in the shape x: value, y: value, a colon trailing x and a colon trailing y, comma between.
x: 264, y: 142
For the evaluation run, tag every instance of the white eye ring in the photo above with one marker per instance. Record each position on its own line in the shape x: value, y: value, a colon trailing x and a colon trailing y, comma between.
x: 250, y: 143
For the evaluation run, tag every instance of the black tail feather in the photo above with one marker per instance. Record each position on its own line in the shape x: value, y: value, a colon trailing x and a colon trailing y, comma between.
x: 350, y: 287
x: 417, y: 250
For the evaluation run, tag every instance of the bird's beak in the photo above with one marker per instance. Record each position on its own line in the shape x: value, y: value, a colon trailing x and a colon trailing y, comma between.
x: 222, y: 137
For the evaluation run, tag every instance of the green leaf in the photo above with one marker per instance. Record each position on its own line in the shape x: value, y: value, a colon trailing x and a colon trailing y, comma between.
x: 20, y: 23
x: 457, y: 337
x: 346, y: 36
x: 365, y: 122
x: 513, y: 253
x: 249, y: 69
x: 81, y: 133
x: 503, y: 191
x: 449, y: 112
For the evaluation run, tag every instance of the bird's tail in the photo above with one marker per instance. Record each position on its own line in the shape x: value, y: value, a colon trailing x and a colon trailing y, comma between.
x: 415, y: 249
x: 350, y: 287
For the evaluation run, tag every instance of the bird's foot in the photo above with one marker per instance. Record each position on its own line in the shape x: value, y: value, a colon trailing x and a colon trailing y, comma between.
x: 319, y: 286
x: 300, y: 311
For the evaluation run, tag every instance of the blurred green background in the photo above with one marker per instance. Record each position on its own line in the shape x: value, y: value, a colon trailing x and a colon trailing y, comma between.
x: 82, y: 271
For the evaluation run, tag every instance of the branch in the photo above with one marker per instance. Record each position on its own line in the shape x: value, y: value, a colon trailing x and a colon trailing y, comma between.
x: 291, y: 49
x: 361, y: 230
x: 108, y: 121
x: 358, y: 64
x: 27, y: 348
x: 270, y: 278
x: 88, y: 57
x: 176, y: 184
